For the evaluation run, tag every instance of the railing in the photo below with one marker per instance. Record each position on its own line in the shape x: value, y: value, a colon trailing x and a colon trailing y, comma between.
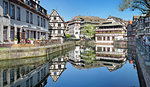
x: 36, y: 43
x: 47, y: 42
x: 142, y: 46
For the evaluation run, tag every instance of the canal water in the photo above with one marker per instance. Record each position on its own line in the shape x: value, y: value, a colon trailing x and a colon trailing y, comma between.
x: 80, y: 66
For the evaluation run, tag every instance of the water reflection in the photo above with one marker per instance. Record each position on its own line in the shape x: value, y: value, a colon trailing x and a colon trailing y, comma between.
x: 57, y: 67
x: 35, y: 71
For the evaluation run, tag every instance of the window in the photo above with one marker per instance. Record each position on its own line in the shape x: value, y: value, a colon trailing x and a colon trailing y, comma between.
x: 54, y: 18
x: 104, y: 49
x: 5, y: 8
x: 12, y: 11
x: 41, y: 22
x: 59, y: 31
x: 38, y: 35
x: 5, y: 34
x: 38, y: 76
x: 44, y: 23
x: 103, y: 38
x: 113, y: 50
x: 27, y: 34
x: 4, y: 77
x: 12, y: 33
x: 99, y: 38
x: 108, y: 38
x: 11, y: 75
x: 18, y: 14
x: 99, y: 49
x: 27, y: 83
x: 27, y: 16
x: 38, y: 20
x: 18, y: 73
x: 31, y: 18
x: 31, y: 82
x: 108, y: 49
x: 59, y: 25
x: 113, y: 38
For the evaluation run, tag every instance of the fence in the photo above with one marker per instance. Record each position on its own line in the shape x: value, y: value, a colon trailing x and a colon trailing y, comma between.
x: 35, y: 44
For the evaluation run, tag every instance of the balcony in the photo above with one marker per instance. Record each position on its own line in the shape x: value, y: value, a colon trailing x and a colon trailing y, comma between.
x: 52, y: 34
x: 57, y: 28
x: 109, y: 29
x: 111, y: 33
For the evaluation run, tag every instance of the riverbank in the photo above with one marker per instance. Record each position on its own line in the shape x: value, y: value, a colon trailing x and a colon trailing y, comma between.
x: 18, y: 53
x: 141, y: 58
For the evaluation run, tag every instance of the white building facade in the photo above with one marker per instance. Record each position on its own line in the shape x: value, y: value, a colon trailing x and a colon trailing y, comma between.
x: 73, y: 28
x: 56, y: 26
x: 22, y: 19
x: 109, y: 31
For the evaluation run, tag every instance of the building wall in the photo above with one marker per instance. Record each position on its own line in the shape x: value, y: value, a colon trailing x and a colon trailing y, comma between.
x: 56, y: 26
x: 74, y: 29
x: 19, y: 24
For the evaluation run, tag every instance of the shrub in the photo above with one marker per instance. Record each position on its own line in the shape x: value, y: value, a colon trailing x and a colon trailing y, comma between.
x: 16, y: 39
x: 68, y: 35
x: 31, y: 39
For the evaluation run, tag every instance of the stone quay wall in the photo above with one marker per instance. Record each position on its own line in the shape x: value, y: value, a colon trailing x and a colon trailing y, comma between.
x: 17, y: 53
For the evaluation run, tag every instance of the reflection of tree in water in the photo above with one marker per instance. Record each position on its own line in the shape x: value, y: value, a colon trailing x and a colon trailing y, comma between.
x: 90, y: 59
x: 88, y: 55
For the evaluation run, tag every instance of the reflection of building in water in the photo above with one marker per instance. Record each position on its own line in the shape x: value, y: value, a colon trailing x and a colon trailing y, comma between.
x: 56, y: 68
x: 100, y: 63
x: 112, y: 58
x: 25, y: 76
x: 106, y: 56
x: 131, y: 52
x: 75, y: 55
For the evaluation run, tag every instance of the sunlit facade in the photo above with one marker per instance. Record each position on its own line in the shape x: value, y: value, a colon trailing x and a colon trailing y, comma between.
x: 109, y: 31
x: 22, y: 19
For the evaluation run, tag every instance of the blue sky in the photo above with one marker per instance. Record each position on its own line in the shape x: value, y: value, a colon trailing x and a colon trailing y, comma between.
x: 101, y: 8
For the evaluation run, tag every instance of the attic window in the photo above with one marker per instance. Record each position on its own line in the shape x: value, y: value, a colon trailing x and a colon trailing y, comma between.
x: 54, y: 18
x: 107, y: 23
x: 81, y: 19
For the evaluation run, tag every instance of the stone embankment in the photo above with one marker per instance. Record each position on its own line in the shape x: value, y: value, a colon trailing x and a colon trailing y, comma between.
x: 17, y: 53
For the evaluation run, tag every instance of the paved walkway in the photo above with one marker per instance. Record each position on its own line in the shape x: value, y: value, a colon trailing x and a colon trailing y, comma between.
x: 143, y: 66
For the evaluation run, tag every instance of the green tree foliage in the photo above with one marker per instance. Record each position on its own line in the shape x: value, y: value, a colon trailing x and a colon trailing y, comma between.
x: 89, y: 56
x: 142, y: 5
x: 88, y: 30
x: 68, y: 35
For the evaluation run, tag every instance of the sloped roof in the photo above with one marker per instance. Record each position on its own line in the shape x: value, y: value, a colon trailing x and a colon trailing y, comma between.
x: 91, y: 19
x: 136, y: 16
x: 55, y: 13
x: 109, y: 22
x: 117, y: 19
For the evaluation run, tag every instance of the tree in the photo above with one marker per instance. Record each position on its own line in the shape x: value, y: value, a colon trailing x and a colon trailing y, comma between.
x: 68, y: 36
x: 142, y: 5
x: 88, y: 30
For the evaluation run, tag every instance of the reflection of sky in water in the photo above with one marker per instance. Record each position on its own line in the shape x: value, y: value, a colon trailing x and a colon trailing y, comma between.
x: 96, y: 77
x: 122, y: 75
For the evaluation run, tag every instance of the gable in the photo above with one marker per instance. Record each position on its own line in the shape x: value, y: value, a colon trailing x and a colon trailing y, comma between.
x: 54, y: 13
x: 55, y: 16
